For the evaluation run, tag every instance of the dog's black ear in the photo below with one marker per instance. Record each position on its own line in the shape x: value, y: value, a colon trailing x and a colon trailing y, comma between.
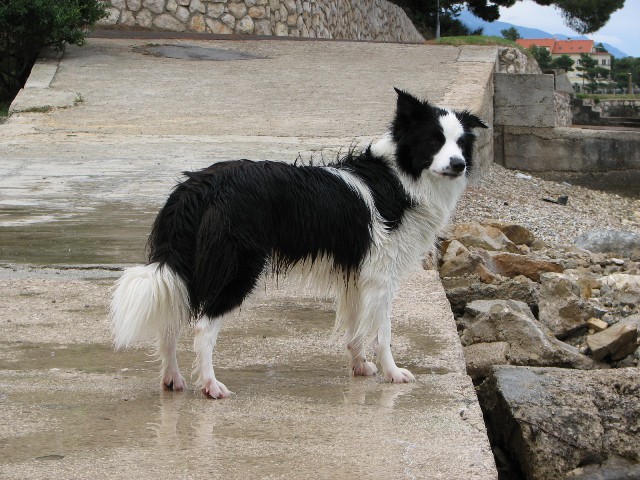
x: 409, y: 110
x: 407, y: 103
x: 469, y: 120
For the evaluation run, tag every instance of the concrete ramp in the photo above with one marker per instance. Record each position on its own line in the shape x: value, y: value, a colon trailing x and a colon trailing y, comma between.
x: 80, y: 184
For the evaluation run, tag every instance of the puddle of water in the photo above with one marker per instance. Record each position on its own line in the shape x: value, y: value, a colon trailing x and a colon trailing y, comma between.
x: 108, y: 234
x: 191, y: 52
x: 87, y: 358
x: 84, y: 422
x: 268, y: 410
x: 115, y: 401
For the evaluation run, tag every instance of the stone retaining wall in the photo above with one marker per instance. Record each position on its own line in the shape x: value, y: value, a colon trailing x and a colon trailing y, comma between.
x: 375, y: 20
x: 606, y: 112
x: 615, y: 108
x: 530, y: 131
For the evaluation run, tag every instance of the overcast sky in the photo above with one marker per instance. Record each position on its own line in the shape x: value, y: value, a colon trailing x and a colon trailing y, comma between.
x: 622, y: 31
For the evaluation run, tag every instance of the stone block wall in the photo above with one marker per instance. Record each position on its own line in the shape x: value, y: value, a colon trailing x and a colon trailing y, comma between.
x: 621, y: 108
x: 375, y: 20
x: 531, y: 135
x: 606, y: 112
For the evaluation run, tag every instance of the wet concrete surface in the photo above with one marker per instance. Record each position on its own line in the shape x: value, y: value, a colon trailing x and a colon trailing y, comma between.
x: 70, y: 405
x: 103, y: 234
x: 79, y: 188
x: 194, y: 52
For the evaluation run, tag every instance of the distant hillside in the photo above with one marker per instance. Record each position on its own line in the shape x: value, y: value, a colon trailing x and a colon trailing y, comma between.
x: 494, y: 28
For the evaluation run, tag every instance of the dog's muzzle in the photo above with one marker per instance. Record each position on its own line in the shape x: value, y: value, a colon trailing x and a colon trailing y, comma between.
x: 455, y: 168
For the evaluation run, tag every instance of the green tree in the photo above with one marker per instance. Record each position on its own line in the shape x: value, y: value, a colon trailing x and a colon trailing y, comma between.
x: 563, y: 62
x: 591, y: 74
x: 620, y: 69
x: 542, y: 56
x: 511, y: 33
x: 583, y: 16
x: 423, y: 15
x: 28, y: 26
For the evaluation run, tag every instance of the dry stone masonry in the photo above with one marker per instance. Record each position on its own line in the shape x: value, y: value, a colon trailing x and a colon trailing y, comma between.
x: 376, y: 20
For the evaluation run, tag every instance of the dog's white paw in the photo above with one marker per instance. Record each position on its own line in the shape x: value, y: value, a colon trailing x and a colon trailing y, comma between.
x: 399, y: 375
x: 365, y: 369
x: 215, y: 389
x: 173, y: 381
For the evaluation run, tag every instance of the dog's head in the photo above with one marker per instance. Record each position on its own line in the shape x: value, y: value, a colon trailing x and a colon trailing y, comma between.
x: 432, y: 139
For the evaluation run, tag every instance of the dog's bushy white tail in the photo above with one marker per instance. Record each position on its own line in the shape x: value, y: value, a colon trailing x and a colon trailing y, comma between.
x: 148, y: 301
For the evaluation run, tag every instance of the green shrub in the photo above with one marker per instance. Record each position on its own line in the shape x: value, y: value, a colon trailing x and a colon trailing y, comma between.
x: 28, y: 26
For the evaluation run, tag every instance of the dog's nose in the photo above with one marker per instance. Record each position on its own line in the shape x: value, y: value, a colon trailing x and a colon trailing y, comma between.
x: 457, y: 164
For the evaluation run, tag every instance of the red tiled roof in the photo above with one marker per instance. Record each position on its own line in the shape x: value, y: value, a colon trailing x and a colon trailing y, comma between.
x: 573, y: 46
x: 538, y: 42
x: 558, y: 47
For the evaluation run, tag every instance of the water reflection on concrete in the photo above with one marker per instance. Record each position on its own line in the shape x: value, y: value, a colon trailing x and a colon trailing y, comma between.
x: 73, y: 404
x: 83, y: 409
x: 104, y: 234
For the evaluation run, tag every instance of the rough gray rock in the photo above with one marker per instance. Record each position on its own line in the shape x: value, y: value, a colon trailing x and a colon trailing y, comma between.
x: 621, y: 243
x: 624, y: 289
x: 613, y: 468
x: 458, y: 261
x: 514, y: 232
x: 462, y: 290
x: 483, y: 236
x: 480, y: 307
x: 529, y: 342
x: 561, y: 308
x: 556, y: 421
x: 481, y: 357
x: 615, y: 342
x: 511, y: 265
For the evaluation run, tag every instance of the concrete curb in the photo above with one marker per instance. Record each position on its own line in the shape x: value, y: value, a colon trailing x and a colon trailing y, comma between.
x: 37, y: 94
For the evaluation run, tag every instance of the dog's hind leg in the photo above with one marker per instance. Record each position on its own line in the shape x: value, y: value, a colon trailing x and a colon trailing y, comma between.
x: 347, y: 319
x: 172, y: 379
x: 204, y: 342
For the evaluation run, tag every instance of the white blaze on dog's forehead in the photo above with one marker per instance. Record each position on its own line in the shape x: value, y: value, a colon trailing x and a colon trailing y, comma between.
x: 451, y: 126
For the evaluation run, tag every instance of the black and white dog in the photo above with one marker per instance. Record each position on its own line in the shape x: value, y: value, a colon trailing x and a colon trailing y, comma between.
x: 360, y: 225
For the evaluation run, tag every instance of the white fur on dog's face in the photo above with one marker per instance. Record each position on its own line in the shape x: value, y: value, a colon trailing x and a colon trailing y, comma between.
x: 453, y: 131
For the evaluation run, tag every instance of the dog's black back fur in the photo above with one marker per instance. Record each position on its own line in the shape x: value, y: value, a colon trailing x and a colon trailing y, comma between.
x: 221, y: 227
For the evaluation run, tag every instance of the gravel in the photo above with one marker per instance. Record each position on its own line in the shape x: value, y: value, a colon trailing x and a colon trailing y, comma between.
x: 512, y: 196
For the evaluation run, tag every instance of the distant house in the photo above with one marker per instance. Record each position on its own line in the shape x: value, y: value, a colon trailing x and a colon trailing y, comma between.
x: 573, y: 48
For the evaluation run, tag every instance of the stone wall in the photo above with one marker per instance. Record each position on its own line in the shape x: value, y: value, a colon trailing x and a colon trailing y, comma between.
x: 567, y: 149
x: 530, y: 130
x: 615, y: 108
x: 513, y: 60
x: 376, y: 20
x: 606, y: 112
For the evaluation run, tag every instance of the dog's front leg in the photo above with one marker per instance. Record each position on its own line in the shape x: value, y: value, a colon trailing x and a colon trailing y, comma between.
x: 349, y: 306
x: 374, y: 312
x: 204, y: 342
x: 392, y: 373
